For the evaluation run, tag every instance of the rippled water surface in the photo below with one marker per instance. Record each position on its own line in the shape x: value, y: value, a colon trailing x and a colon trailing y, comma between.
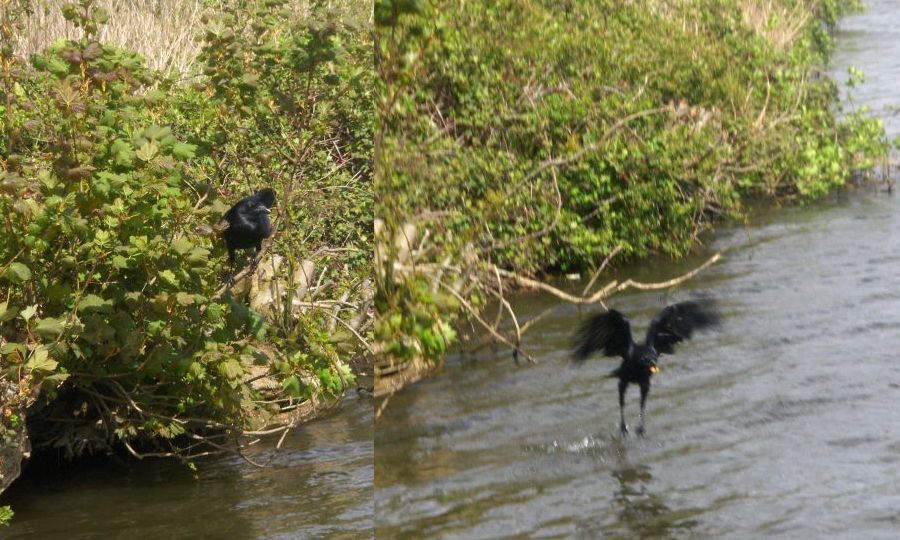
x: 319, y: 485
x: 784, y: 423
x: 870, y: 41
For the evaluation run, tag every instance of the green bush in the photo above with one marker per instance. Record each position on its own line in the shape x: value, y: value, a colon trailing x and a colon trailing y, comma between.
x: 6, y: 514
x: 112, y: 178
x: 544, y: 135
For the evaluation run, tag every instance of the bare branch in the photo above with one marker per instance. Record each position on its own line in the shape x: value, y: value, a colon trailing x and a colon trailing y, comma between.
x: 603, y: 265
x: 610, y: 288
x: 499, y: 337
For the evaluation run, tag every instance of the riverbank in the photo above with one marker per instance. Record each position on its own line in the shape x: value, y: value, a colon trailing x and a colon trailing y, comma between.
x: 317, y: 484
x: 120, y: 327
x: 564, y: 138
x: 810, y: 311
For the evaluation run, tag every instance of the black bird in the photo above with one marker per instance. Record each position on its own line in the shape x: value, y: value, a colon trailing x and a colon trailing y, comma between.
x: 610, y: 333
x: 246, y: 224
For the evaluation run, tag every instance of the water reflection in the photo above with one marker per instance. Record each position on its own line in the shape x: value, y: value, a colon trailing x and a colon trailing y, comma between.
x: 319, y: 485
x: 642, y: 512
x: 785, y: 382
x: 106, y: 500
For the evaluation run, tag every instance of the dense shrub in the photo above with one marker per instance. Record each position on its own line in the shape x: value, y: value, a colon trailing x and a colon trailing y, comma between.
x: 112, y: 179
x: 545, y: 135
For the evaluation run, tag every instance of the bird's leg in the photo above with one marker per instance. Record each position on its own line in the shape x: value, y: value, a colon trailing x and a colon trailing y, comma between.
x: 645, y: 390
x: 622, y: 386
x: 256, y: 255
x: 231, y: 271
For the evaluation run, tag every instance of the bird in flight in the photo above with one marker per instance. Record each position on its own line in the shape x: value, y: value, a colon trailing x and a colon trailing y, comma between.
x: 610, y: 333
x: 246, y: 224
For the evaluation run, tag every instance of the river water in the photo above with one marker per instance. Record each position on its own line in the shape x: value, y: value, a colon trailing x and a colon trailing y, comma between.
x: 870, y: 41
x: 319, y: 485
x: 783, y: 423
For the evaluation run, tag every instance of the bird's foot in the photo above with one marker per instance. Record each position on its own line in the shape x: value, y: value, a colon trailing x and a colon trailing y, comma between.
x: 623, y: 428
x: 641, y: 431
x: 257, y: 257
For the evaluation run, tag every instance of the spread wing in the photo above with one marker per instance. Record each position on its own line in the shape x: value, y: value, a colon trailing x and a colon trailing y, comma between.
x: 608, y: 332
x: 677, y: 323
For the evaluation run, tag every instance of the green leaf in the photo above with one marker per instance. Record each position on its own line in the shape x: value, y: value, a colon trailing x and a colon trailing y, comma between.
x: 182, y: 245
x: 122, y: 153
x: 102, y: 237
x: 330, y: 381
x: 6, y: 515
x: 231, y: 369
x: 49, y: 328
x: 258, y: 325
x: 133, y: 299
x: 169, y: 277
x: 293, y: 387
x: 70, y: 12
x: 100, y: 15
x: 154, y: 96
x: 39, y: 62
x: 40, y: 360
x: 147, y: 151
x: 184, y: 150
x: 156, y: 328
x: 120, y: 262
x: 58, y: 66
x: 57, y: 378
x: 198, y: 255
x: 11, y: 347
x: 92, y: 302
x: 28, y: 312
x: 17, y: 273
x: 197, y: 371
x: 7, y: 313
x: 156, y: 132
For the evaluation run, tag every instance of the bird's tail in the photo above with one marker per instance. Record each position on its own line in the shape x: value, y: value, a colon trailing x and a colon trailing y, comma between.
x: 221, y: 227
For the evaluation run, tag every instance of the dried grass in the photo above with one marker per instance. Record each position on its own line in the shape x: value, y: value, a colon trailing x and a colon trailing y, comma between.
x: 780, y: 22
x: 776, y: 22
x: 163, y: 31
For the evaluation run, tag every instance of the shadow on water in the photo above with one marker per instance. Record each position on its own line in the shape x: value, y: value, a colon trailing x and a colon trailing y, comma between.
x: 640, y: 508
x: 318, y: 485
x: 102, y: 499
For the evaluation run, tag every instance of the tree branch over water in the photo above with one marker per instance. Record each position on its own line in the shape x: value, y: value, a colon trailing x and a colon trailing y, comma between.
x: 469, y: 282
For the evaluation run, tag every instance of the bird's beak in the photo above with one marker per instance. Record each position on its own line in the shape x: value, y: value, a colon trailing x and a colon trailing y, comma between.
x: 266, y: 210
x: 654, y: 370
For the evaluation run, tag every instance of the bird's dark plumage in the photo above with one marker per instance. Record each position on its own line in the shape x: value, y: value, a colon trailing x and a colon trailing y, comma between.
x: 246, y: 224
x: 610, y: 334
x: 677, y: 323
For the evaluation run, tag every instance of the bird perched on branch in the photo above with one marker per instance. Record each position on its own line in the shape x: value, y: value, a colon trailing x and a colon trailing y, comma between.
x: 610, y: 334
x: 246, y: 224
